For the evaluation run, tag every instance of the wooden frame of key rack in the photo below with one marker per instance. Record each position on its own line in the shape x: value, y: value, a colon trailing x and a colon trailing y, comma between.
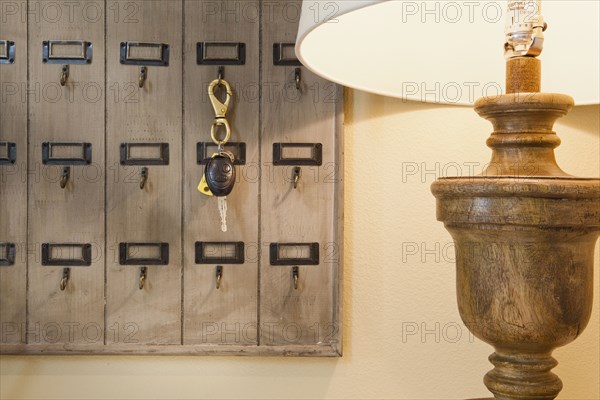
x: 106, y: 247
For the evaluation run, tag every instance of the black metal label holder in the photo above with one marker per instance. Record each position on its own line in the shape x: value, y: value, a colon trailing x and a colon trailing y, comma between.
x: 316, y: 157
x: 162, y: 159
x: 48, y: 159
x: 8, y: 153
x: 203, y: 48
x: 49, y: 57
x: 7, y: 254
x: 276, y: 259
x: 161, y: 61
x: 7, y: 56
x: 280, y: 58
x: 127, y: 258
x: 238, y: 256
x: 49, y: 260
x: 205, y: 150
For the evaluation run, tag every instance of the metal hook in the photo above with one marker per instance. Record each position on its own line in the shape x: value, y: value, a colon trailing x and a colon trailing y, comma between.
x: 143, y: 177
x: 296, y: 176
x: 219, y: 276
x: 298, y: 78
x: 295, y: 276
x: 143, y: 76
x: 143, y: 276
x: 64, y: 76
x: 66, y: 174
x: 65, y: 278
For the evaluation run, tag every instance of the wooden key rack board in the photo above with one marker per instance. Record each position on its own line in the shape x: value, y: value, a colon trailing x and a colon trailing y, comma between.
x: 106, y: 244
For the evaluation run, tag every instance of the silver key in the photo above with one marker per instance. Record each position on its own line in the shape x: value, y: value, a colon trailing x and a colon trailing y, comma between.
x: 222, y: 203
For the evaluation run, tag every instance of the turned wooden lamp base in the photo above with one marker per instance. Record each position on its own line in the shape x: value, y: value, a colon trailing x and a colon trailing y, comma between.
x: 523, y: 376
x: 525, y: 233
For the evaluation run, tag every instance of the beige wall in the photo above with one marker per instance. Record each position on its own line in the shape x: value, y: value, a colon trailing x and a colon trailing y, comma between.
x: 386, y: 211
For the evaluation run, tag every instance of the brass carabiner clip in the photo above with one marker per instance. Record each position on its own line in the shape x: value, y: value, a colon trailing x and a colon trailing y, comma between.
x: 220, y: 110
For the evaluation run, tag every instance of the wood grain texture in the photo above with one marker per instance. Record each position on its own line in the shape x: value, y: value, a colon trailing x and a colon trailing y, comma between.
x: 73, y: 113
x: 13, y: 178
x: 523, y: 75
x: 180, y: 310
x: 307, y: 214
x: 227, y: 315
x: 194, y: 350
x: 151, y: 114
x: 525, y: 234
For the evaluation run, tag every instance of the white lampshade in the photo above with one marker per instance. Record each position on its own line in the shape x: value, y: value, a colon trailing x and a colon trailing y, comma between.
x: 444, y: 51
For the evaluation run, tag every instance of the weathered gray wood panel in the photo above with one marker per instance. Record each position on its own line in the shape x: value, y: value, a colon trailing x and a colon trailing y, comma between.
x: 151, y: 114
x: 13, y: 177
x: 180, y: 310
x: 194, y: 350
x: 307, y: 214
x: 75, y: 214
x: 227, y: 315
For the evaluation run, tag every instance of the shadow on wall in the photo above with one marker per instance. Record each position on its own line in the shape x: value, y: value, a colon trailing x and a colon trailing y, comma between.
x: 588, y: 116
x: 381, y: 106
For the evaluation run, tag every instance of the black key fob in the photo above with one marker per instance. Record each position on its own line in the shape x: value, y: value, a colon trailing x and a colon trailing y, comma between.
x: 220, y: 175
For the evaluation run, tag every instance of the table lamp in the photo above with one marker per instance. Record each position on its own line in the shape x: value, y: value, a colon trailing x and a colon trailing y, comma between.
x: 525, y: 230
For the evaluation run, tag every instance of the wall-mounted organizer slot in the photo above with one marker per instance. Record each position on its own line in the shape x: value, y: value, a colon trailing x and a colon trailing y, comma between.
x: 141, y: 252
x: 67, y: 52
x: 220, y: 53
x: 7, y: 51
x: 66, y: 153
x: 67, y: 254
x: 206, y: 149
x: 298, y: 154
x: 220, y: 252
x: 284, y: 54
x: 144, y: 253
x: 7, y: 254
x: 144, y: 154
x: 294, y: 253
x: 149, y: 54
x: 8, y: 153
x: 145, y: 55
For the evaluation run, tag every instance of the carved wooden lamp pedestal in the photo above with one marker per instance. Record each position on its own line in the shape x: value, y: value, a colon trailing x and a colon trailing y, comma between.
x: 525, y: 233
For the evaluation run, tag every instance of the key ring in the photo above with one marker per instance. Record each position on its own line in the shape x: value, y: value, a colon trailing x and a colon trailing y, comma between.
x: 220, y: 110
